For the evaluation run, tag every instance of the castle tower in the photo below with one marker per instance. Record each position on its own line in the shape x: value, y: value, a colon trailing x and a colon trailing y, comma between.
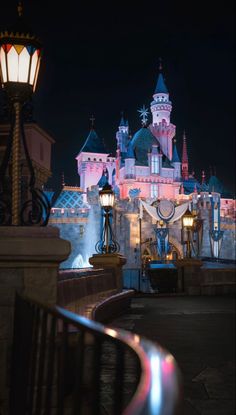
x: 185, y: 173
x: 161, y: 109
x: 92, y: 160
x: 122, y: 135
x: 130, y: 163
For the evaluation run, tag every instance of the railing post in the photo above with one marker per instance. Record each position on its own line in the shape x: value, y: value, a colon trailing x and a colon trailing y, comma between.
x: 29, y: 262
x: 111, y: 261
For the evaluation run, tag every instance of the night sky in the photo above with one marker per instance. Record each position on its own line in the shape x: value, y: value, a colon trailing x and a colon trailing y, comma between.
x: 101, y: 58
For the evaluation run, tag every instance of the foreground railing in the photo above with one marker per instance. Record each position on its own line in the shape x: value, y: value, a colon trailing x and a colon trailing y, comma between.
x: 66, y: 364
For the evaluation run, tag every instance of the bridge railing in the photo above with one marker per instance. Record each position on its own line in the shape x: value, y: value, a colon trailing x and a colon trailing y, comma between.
x: 63, y: 363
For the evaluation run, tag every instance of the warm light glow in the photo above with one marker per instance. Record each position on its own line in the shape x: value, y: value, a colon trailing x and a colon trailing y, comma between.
x: 19, y: 63
x: 12, y: 63
x: 24, y: 61
x: 107, y: 199
x: 3, y: 65
x: 136, y: 338
x: 106, y: 196
x: 188, y: 219
x: 111, y: 332
x: 36, y: 75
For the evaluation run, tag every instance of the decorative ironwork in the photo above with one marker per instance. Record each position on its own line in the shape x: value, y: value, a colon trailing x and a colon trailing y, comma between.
x: 35, y: 206
x: 107, y: 244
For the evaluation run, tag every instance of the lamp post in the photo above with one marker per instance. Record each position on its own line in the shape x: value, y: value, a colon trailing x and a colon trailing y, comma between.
x: 107, y: 244
x: 188, y: 219
x: 20, y: 55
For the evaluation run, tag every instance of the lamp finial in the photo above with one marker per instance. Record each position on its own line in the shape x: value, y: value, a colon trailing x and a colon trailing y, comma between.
x: 20, y: 9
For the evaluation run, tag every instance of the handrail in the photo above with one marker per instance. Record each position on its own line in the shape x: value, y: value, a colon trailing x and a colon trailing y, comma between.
x: 60, y: 358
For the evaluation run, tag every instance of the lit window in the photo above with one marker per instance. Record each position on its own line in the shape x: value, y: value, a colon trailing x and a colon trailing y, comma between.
x: 154, y: 164
x: 154, y: 190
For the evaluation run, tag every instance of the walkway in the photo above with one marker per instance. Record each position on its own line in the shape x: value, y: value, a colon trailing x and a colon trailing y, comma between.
x: 200, y: 333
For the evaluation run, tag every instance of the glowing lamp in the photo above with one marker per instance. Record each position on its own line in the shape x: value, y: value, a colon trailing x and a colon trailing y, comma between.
x: 188, y: 219
x: 19, y: 63
x: 20, y: 55
x: 107, y: 197
x: 107, y: 243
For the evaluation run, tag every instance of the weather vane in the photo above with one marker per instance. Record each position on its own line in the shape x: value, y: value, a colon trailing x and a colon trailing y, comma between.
x: 143, y: 114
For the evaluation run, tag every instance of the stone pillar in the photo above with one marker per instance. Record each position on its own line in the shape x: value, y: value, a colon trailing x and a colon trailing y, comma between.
x: 112, y: 261
x: 189, y: 276
x: 29, y: 262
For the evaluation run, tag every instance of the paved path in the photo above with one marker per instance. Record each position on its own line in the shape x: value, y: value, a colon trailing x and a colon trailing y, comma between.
x: 200, y: 333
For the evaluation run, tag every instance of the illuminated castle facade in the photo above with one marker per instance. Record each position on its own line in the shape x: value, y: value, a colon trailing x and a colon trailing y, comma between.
x: 146, y: 174
x: 147, y: 162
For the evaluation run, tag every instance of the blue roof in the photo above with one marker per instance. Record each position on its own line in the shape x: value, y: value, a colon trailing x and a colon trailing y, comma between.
x: 175, y: 156
x: 161, y: 86
x: 70, y: 199
x: 122, y: 122
x: 142, y: 142
x: 104, y: 178
x: 130, y: 152
x: 190, y: 184
x: 93, y: 144
x: 215, y: 185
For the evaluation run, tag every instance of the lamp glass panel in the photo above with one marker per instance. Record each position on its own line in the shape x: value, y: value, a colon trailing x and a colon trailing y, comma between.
x: 188, y: 221
x: 3, y: 65
x: 24, y: 61
x: 33, y: 67
x: 36, y: 75
x: 13, y: 65
x: 107, y: 199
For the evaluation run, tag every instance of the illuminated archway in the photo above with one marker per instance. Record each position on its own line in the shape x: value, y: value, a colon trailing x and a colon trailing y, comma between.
x: 177, y: 246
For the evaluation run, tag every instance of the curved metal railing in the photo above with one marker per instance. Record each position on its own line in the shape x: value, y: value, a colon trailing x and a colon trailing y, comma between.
x: 66, y: 364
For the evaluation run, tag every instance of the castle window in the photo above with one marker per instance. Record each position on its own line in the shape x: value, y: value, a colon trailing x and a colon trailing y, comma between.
x: 100, y: 159
x: 89, y: 159
x: 154, y: 164
x: 94, y: 159
x: 154, y: 190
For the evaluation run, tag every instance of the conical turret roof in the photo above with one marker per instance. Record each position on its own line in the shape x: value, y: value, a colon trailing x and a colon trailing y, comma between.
x: 175, y: 157
x: 161, y: 86
x: 93, y: 144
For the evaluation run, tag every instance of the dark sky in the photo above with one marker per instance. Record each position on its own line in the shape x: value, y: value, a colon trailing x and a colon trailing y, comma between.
x: 102, y: 57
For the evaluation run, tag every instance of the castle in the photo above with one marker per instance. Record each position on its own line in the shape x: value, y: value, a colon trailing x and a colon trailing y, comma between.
x: 153, y: 189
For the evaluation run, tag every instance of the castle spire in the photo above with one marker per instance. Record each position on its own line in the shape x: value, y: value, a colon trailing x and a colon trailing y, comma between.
x: 203, y: 177
x: 160, y: 86
x: 122, y: 120
x: 92, y: 119
x: 185, y: 173
x: 175, y: 156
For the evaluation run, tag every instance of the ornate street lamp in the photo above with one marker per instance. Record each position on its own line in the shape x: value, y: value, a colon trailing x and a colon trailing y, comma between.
x: 188, y: 219
x: 20, y: 55
x: 107, y: 244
